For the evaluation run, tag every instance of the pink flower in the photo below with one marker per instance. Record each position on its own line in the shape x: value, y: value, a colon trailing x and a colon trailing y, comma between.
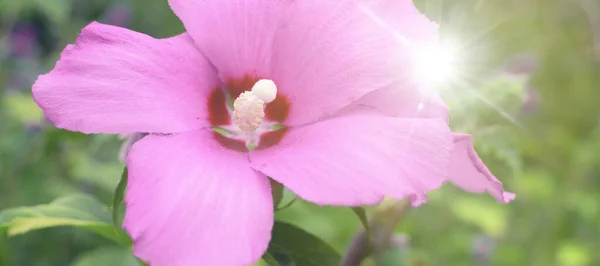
x: 342, y: 124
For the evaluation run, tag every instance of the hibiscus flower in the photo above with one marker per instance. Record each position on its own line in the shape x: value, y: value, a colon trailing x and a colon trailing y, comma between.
x: 316, y: 94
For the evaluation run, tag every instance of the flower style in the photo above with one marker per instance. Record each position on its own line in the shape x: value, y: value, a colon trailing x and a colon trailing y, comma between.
x: 315, y: 94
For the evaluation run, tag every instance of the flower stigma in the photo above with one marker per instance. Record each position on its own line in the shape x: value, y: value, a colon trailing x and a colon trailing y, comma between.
x: 249, y: 107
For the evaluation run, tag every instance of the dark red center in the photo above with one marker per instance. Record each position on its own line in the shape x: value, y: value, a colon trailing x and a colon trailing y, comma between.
x: 218, y: 115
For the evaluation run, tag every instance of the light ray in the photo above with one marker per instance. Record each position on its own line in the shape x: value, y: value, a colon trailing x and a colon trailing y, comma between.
x: 436, y: 64
x: 468, y: 86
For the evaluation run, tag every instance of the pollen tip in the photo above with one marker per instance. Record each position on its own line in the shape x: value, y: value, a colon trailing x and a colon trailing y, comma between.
x: 265, y: 90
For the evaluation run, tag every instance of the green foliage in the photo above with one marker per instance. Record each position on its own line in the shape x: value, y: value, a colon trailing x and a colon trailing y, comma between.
x: 119, y: 197
x: 57, y: 10
x: 81, y: 211
x: 269, y: 259
x: 361, y: 213
x: 276, y: 191
x: 118, y: 256
x: 291, y: 245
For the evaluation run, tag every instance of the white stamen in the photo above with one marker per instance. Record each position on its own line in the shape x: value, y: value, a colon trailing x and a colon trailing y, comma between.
x: 265, y: 90
x: 248, y: 108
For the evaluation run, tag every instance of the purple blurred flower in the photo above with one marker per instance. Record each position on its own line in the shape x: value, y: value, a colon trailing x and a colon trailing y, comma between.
x: 34, y: 127
x: 531, y: 100
x: 522, y: 64
x: 483, y: 247
x: 118, y: 15
x: 400, y: 241
x: 23, y: 41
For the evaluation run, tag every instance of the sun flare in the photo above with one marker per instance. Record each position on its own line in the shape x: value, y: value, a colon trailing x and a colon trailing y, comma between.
x: 436, y: 63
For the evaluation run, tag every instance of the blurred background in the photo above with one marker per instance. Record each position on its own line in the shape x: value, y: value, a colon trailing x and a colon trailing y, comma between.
x: 526, y: 85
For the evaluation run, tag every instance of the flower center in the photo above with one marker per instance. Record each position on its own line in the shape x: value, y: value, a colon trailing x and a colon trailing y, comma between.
x: 249, y: 108
x: 248, y: 113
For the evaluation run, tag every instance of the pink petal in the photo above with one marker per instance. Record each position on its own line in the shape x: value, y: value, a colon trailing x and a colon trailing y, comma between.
x: 328, y: 54
x: 469, y: 173
x: 235, y: 35
x: 192, y: 202
x: 358, y: 158
x: 466, y: 168
x: 404, y: 99
x: 114, y: 80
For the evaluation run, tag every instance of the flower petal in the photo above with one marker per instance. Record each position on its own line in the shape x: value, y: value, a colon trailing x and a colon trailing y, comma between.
x: 192, y: 202
x: 469, y: 173
x: 466, y: 168
x: 328, y: 54
x: 235, y: 35
x: 358, y: 158
x: 114, y: 80
x: 404, y: 99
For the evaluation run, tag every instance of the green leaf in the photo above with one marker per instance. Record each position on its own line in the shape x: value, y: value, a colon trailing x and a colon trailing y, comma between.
x: 118, y: 256
x: 119, y: 197
x: 269, y: 259
x: 362, y: 215
x: 291, y: 245
x: 78, y: 210
x: 276, y: 191
x: 141, y: 262
x: 287, y: 205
